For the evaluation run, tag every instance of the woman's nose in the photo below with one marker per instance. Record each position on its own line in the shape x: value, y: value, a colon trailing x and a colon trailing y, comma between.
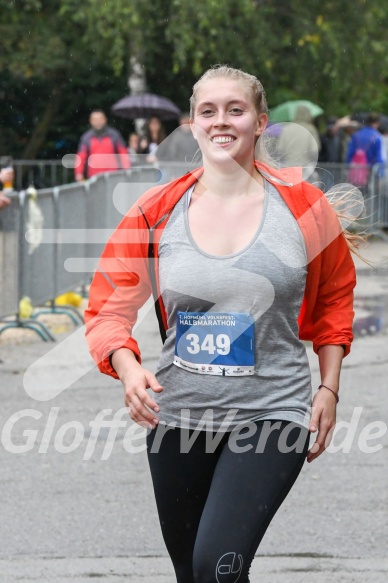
x: 221, y: 118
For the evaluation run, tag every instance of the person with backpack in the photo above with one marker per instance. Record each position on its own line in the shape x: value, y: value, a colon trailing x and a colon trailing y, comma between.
x: 101, y: 149
x: 365, y: 149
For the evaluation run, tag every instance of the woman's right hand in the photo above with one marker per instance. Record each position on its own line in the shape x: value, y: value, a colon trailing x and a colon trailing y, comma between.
x: 136, y: 380
x: 4, y: 200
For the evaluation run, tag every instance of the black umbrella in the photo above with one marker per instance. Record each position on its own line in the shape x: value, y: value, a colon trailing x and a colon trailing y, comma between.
x: 146, y: 105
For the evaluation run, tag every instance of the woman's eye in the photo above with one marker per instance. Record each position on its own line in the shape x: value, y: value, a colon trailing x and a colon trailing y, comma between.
x: 207, y: 112
x: 236, y: 111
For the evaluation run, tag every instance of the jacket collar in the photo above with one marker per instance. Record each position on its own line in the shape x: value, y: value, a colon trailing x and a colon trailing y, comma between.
x: 162, y: 201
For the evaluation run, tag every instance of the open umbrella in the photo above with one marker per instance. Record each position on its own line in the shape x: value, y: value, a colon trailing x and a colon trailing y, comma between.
x: 145, y: 105
x: 287, y: 111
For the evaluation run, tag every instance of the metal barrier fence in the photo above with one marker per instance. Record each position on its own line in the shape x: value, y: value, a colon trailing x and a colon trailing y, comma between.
x: 50, y: 242
x: 41, y: 173
x: 50, y: 173
x: 374, y: 218
x: 377, y: 201
x: 47, y: 252
x: 10, y: 228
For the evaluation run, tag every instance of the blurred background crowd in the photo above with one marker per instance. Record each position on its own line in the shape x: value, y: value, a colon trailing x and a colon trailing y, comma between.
x: 60, y: 60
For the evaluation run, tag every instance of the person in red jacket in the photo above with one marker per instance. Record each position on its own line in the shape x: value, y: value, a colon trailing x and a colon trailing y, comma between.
x: 101, y: 149
x: 243, y: 262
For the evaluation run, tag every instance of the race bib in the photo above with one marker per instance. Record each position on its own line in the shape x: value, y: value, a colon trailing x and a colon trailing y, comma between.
x: 215, y: 343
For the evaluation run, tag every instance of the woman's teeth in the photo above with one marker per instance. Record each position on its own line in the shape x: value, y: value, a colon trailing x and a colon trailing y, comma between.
x: 222, y: 139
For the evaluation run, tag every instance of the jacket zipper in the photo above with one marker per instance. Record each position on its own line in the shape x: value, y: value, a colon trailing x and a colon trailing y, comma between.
x: 152, y: 273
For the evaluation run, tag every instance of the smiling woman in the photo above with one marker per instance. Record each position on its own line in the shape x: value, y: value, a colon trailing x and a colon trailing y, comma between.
x: 244, y: 263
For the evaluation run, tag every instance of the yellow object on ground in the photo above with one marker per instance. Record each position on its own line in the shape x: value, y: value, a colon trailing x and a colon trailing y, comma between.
x: 26, y: 309
x: 68, y: 299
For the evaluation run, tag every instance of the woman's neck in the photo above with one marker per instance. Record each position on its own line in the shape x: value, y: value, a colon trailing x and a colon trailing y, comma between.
x: 230, y: 181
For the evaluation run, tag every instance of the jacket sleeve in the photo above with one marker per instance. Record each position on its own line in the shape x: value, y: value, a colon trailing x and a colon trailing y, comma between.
x: 125, y: 161
x: 119, y: 288
x: 79, y: 167
x: 120, y: 149
x: 332, y: 317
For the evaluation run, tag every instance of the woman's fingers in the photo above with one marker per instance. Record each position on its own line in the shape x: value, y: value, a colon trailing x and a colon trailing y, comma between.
x: 152, y: 382
x: 322, y: 441
x: 141, y: 406
x: 323, y: 420
x: 314, y: 423
x: 140, y: 413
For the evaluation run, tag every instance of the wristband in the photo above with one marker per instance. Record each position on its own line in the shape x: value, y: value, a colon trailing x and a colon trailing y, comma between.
x: 331, y: 390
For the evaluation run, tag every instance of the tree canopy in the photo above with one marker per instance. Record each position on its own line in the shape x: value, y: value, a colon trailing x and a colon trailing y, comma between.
x: 60, y: 58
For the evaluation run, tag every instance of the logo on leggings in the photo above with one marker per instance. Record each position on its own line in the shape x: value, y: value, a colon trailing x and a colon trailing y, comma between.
x: 229, y: 568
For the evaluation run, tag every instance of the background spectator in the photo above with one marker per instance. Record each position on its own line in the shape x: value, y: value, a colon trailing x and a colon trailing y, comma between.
x: 369, y: 140
x: 143, y: 145
x: 297, y: 146
x: 6, y: 178
x: 365, y: 150
x: 101, y: 149
x: 347, y: 127
x: 330, y: 142
x: 155, y: 135
x: 180, y: 146
x: 133, y: 148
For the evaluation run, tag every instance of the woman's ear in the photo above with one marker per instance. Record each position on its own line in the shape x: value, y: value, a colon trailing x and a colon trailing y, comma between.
x: 262, y: 120
x: 193, y: 129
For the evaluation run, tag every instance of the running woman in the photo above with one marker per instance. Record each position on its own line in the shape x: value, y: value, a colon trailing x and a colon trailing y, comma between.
x: 244, y: 262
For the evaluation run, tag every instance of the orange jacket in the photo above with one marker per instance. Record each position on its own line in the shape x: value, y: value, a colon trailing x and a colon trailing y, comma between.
x: 127, y: 274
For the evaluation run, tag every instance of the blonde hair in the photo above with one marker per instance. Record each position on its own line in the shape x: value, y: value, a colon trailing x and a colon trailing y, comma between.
x: 348, y: 204
x: 250, y: 81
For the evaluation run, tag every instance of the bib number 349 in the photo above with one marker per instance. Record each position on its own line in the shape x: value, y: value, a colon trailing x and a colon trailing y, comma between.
x: 215, y: 343
x: 212, y: 344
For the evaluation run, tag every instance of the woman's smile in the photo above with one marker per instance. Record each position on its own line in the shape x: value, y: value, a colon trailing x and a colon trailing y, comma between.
x: 223, y: 140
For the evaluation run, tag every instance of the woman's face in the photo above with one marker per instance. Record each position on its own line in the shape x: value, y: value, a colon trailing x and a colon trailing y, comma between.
x: 226, y: 123
x: 154, y: 124
x: 134, y: 141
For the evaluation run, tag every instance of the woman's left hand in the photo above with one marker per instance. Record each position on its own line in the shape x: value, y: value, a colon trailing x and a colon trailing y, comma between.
x: 323, y: 419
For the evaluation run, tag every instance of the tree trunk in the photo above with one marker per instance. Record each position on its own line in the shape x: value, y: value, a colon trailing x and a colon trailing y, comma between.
x: 44, y: 124
x: 137, y: 83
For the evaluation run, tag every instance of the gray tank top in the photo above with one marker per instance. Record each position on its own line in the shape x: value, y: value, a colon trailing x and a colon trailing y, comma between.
x: 266, y: 280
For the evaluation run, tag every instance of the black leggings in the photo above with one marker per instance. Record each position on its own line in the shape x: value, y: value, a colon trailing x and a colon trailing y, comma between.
x: 215, y: 506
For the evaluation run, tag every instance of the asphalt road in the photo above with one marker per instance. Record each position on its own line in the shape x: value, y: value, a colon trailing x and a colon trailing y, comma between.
x: 77, y: 501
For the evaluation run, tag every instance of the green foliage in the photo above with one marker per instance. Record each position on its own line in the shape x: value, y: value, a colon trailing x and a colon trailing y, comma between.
x: 334, y: 53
